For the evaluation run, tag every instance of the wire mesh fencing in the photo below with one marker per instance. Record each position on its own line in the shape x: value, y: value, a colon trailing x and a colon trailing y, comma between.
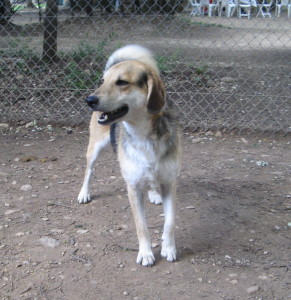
x: 224, y: 67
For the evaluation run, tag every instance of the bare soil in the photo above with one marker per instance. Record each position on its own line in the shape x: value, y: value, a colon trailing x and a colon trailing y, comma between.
x: 233, y: 237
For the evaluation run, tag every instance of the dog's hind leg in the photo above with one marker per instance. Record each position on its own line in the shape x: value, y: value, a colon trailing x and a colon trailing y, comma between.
x: 99, y: 139
x: 145, y: 255
x: 168, y: 238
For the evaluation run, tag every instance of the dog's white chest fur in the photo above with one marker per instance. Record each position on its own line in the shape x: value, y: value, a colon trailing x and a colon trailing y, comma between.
x: 141, y: 160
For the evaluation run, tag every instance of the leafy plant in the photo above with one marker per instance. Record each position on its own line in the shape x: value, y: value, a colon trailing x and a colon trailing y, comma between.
x: 167, y: 63
x: 202, y: 69
x: 84, y: 49
x: 20, y: 48
x: 80, y: 79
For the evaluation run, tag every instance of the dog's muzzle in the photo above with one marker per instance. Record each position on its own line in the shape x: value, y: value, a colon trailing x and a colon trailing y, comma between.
x: 92, y: 101
x: 107, y: 117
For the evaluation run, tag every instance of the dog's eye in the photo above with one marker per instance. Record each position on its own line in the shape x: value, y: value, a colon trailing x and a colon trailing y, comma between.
x: 121, y: 82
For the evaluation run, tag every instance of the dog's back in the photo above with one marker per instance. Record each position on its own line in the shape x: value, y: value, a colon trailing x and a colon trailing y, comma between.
x: 132, y: 52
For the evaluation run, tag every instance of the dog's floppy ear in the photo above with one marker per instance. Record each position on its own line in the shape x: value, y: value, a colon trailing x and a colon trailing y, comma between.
x: 156, y: 94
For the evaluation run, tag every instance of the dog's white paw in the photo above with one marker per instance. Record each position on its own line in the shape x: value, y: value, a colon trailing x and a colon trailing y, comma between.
x: 84, y: 196
x: 169, y: 252
x: 145, y: 259
x: 155, y: 197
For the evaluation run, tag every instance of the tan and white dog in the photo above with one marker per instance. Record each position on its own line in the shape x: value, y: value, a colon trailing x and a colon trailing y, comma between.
x: 132, y: 101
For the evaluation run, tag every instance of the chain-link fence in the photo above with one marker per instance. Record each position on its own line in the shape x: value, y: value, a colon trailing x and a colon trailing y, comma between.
x: 226, y: 66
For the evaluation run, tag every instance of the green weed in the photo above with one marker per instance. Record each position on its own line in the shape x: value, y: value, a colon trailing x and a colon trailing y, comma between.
x: 80, y: 79
x: 201, y: 69
x: 84, y: 49
x: 167, y: 63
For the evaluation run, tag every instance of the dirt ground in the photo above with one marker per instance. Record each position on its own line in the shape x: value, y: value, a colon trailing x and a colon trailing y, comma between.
x: 233, y: 222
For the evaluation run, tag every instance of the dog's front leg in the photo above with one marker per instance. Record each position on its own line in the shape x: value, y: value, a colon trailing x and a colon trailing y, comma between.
x: 99, y: 139
x: 168, y: 238
x: 92, y: 154
x: 136, y: 198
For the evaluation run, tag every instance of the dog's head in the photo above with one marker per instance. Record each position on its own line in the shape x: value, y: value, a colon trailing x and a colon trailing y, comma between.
x: 130, y: 88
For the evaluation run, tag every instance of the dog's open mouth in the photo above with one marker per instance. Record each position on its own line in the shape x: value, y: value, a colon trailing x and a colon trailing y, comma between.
x: 110, y: 117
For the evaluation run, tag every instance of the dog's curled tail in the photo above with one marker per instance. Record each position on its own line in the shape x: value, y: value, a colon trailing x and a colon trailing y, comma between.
x: 132, y: 52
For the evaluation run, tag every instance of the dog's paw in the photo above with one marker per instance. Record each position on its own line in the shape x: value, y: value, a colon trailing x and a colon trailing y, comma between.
x: 145, y: 259
x: 84, y: 197
x: 169, y: 252
x: 155, y: 197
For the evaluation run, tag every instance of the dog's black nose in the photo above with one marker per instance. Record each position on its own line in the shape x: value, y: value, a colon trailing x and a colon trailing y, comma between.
x: 92, y: 100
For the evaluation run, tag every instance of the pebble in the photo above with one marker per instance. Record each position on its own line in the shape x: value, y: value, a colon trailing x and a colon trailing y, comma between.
x: 30, y: 124
x: 10, y: 211
x: 227, y: 79
x: 262, y: 163
x: 57, y: 230
x: 82, y: 231
x: 197, y: 140
x: 244, y: 141
x: 190, y: 207
x: 155, y: 245
x: 26, y: 188
x: 19, y: 234
x: 49, y: 242
x: 4, y: 125
x: 253, y: 289
x: 19, y: 77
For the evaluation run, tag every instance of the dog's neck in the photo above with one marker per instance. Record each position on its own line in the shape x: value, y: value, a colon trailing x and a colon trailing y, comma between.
x: 139, y: 128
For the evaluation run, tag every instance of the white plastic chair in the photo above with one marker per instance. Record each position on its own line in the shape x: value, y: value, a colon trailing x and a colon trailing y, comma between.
x: 210, y: 5
x: 264, y: 8
x: 244, y: 8
x: 196, y: 8
x: 229, y: 7
x: 280, y: 4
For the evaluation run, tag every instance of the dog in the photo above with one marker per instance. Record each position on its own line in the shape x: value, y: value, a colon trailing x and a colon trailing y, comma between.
x: 130, y: 108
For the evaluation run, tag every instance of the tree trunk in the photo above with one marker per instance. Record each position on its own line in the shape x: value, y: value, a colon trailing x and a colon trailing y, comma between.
x: 50, y: 31
x: 30, y: 4
x: 89, y: 8
x: 5, y: 12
